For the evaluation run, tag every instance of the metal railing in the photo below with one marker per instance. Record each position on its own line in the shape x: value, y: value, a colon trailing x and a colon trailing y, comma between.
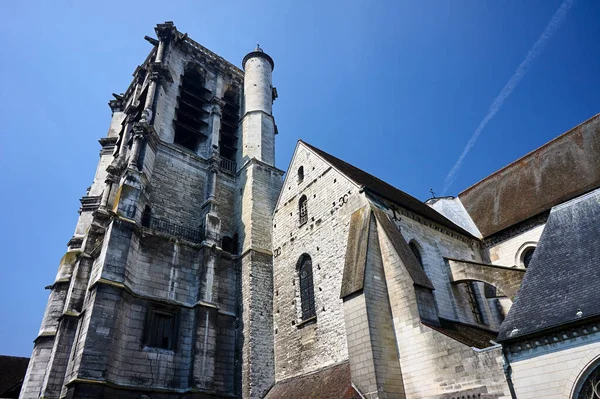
x: 228, y: 164
x: 165, y: 226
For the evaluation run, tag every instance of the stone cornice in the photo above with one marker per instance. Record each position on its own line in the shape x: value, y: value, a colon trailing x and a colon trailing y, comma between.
x: 515, y: 230
x: 254, y: 161
x: 166, y: 301
x: 258, y: 54
x: 208, y: 58
x: 553, y: 336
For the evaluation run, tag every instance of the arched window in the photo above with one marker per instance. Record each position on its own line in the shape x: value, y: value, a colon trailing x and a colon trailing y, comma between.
x: 302, y: 210
x: 307, y: 293
x: 191, y: 119
x: 415, y: 250
x: 300, y: 174
x: 526, y: 256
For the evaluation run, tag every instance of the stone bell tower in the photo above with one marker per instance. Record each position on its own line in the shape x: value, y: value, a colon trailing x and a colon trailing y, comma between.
x: 259, y: 184
x: 165, y: 290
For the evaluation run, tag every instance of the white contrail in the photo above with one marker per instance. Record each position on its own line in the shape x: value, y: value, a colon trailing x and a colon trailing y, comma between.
x: 514, y: 80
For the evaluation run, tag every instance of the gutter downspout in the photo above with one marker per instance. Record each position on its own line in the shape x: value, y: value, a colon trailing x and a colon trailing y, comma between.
x: 508, y: 374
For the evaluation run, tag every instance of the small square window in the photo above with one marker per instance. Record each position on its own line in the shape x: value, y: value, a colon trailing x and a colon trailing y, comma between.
x: 161, y: 330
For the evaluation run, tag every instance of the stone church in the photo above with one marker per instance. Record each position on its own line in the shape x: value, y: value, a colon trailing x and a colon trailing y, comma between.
x: 199, y: 270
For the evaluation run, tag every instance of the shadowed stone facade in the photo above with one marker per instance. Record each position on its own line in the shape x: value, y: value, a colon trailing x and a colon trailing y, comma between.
x: 165, y: 289
x: 196, y: 271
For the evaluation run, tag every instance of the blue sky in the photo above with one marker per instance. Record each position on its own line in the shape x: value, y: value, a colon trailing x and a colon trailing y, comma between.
x: 396, y: 88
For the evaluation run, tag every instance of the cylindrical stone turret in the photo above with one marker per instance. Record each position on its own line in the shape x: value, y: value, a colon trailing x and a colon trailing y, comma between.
x: 258, y: 90
x: 258, y: 125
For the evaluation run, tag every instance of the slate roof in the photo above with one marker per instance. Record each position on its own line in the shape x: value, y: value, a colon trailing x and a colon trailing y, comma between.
x: 387, y: 191
x: 538, y: 181
x: 465, y: 333
x: 563, y: 275
x: 332, y: 382
x: 12, y: 373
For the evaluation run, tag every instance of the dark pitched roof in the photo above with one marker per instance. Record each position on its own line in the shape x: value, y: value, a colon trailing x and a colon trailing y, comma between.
x: 538, y: 181
x: 563, y: 275
x: 332, y: 382
x: 12, y: 373
x: 465, y: 333
x: 387, y: 191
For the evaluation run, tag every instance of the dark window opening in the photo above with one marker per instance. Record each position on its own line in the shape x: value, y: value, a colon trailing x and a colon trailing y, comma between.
x: 142, y: 154
x: 190, y: 116
x: 140, y: 105
x: 474, y: 302
x: 300, y: 174
x: 146, y: 216
x: 307, y: 294
x: 229, y: 120
x: 227, y: 244
x: 161, y: 329
x: 415, y: 250
x: 236, y: 243
x: 302, y: 210
x: 527, y: 256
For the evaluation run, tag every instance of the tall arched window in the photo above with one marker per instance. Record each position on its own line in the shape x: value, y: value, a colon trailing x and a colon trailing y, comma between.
x: 307, y: 293
x: 302, y: 210
x: 300, y: 174
x: 415, y: 250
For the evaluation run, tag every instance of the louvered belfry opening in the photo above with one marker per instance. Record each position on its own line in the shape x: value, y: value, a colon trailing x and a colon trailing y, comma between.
x: 229, y: 121
x: 191, y: 126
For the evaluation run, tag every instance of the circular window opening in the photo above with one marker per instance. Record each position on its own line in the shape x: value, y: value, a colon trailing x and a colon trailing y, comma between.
x: 527, y: 255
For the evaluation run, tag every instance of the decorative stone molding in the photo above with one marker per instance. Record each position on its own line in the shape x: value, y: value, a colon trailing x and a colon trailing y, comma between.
x: 515, y: 230
x: 563, y: 334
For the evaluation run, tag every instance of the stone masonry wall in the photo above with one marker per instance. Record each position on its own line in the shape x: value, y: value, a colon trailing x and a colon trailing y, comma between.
x: 506, y: 252
x: 331, y: 200
x: 434, y: 365
x: 434, y: 245
x: 551, y: 371
x: 178, y: 187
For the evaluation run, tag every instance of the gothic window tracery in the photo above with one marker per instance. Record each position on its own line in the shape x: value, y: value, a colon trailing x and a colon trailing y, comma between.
x: 589, y: 387
x: 307, y: 293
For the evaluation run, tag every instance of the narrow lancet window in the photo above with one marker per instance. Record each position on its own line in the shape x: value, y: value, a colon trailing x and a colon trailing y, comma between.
x: 190, y: 123
x: 300, y: 174
x: 307, y: 293
x: 302, y: 210
x: 415, y: 250
x: 228, y: 137
x: 474, y: 302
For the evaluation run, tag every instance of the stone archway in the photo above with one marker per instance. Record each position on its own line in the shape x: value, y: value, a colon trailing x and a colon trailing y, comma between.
x: 506, y: 279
